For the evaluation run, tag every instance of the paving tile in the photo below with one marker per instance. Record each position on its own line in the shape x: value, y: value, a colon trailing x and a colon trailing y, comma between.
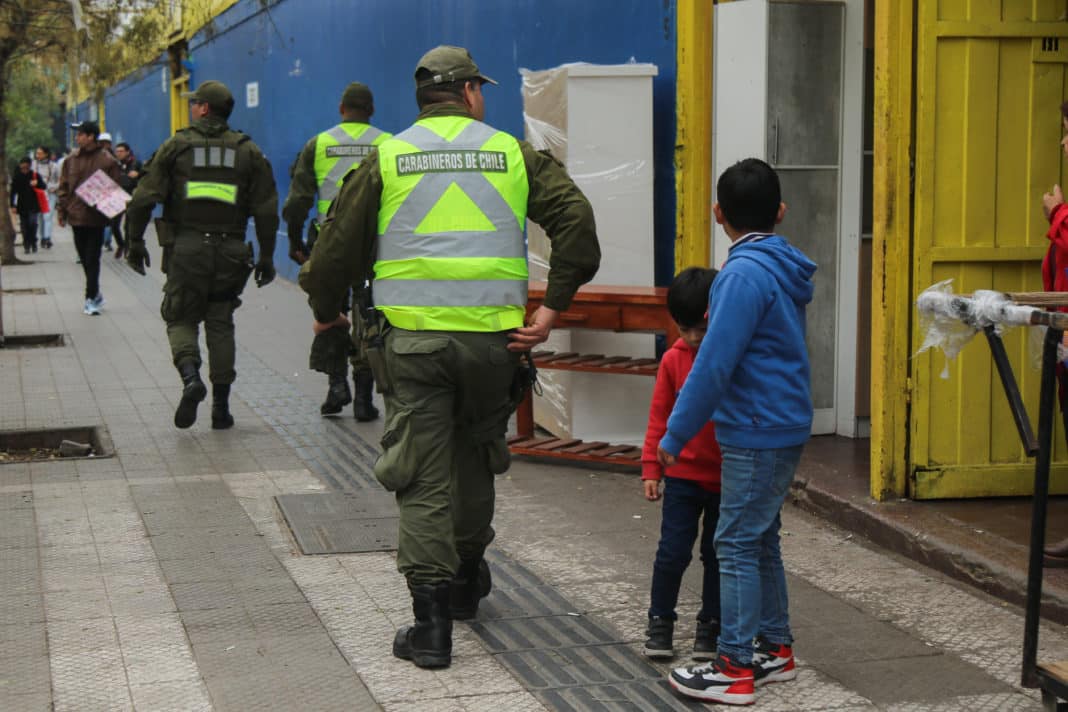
x: 176, y: 696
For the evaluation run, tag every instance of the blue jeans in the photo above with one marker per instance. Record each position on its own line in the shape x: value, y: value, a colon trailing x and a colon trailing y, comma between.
x: 684, y: 503
x: 752, y: 579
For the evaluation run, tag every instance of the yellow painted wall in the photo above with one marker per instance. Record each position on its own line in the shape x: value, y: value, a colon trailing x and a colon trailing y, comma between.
x: 987, y: 133
x: 693, y: 147
x: 891, y: 254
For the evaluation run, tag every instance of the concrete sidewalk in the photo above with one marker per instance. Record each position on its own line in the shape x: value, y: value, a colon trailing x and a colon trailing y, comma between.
x: 164, y: 578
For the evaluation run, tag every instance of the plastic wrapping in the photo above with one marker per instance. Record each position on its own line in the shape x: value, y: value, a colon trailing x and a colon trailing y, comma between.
x: 597, y: 121
x: 949, y: 321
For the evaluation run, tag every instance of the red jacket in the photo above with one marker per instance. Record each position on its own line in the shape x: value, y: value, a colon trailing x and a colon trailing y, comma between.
x: 700, y: 460
x: 1054, y: 277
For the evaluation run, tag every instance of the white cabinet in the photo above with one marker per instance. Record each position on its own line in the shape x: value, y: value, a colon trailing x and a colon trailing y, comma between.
x: 598, y: 121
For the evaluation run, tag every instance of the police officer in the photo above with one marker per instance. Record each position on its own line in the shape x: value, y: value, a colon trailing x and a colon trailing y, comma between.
x: 210, y: 179
x: 325, y: 161
x: 438, y: 212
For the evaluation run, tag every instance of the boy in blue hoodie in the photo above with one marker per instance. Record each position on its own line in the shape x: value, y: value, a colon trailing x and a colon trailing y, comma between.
x: 751, y: 378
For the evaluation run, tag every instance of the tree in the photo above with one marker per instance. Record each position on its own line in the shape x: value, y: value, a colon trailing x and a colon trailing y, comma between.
x: 99, y: 36
x: 29, y: 107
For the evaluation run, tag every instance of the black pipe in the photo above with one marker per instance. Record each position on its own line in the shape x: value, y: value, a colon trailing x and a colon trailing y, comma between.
x: 1028, y: 678
x: 1012, y: 391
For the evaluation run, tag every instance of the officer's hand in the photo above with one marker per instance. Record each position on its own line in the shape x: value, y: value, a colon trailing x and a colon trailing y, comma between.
x: 536, y: 332
x: 664, y: 457
x: 298, y: 251
x: 264, y: 272
x: 320, y: 327
x: 137, y: 256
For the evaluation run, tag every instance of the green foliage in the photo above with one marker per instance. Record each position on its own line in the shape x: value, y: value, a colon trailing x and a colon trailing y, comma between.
x: 28, y: 106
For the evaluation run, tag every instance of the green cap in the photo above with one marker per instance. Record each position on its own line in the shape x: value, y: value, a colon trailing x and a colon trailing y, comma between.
x: 214, y: 94
x: 358, y: 96
x: 446, y: 63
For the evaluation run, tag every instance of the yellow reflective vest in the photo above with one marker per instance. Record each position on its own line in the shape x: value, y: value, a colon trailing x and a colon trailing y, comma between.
x: 451, y: 250
x: 339, y: 151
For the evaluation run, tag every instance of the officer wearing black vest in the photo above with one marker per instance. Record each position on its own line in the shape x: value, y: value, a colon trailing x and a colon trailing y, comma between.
x: 438, y: 213
x: 210, y: 180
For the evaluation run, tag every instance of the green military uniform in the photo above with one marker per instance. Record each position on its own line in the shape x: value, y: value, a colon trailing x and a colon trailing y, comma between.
x: 310, y: 176
x: 210, y: 180
x: 318, y: 172
x: 438, y: 213
x: 447, y: 415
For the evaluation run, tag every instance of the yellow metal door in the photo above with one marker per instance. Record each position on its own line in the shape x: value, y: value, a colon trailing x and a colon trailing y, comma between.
x: 990, y: 79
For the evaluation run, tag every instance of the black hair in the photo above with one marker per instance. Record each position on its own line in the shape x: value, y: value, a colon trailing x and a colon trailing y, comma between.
x: 446, y: 92
x: 749, y: 195
x: 123, y: 144
x: 25, y: 161
x: 46, y: 149
x: 687, y: 297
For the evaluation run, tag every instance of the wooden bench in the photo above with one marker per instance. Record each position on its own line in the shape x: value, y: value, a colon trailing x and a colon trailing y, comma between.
x: 607, y: 308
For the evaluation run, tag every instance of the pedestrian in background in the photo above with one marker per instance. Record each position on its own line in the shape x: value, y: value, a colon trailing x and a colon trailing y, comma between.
x: 46, y: 166
x: 751, y: 378
x: 131, y: 173
x: 690, y: 486
x: 438, y: 213
x: 210, y: 180
x: 321, y: 167
x: 105, y: 142
x: 24, y: 201
x: 87, y: 223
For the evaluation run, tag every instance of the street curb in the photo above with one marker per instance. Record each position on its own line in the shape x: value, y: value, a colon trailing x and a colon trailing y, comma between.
x: 924, y: 547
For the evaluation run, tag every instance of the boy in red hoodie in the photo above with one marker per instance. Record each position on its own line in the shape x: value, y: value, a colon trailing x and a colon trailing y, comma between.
x: 691, y: 486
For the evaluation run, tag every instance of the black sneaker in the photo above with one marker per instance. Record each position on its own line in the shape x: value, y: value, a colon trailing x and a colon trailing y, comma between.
x: 705, y: 641
x: 722, y: 680
x: 658, y: 645
x: 772, y: 662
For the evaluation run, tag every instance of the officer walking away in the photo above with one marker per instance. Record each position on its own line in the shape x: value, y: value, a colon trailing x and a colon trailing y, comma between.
x: 86, y: 222
x: 438, y: 212
x: 210, y: 179
x: 322, y: 165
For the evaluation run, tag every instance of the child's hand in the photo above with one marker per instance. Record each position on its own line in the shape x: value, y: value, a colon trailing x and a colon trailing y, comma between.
x: 652, y: 489
x: 664, y: 457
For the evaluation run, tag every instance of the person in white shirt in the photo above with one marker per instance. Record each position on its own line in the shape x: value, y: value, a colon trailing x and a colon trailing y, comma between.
x: 49, y: 172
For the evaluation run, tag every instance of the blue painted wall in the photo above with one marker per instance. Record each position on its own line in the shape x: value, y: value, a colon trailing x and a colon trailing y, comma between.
x: 137, y: 110
x: 303, y: 53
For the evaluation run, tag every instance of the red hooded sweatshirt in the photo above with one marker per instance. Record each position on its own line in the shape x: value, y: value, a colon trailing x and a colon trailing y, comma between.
x: 700, y: 459
x: 1054, y: 278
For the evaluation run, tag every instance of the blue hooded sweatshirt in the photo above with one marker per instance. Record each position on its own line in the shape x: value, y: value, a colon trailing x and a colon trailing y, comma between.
x: 751, y: 374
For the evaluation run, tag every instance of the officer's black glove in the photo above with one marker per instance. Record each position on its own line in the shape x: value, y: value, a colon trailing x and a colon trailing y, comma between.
x: 137, y: 256
x: 298, y: 249
x: 264, y: 272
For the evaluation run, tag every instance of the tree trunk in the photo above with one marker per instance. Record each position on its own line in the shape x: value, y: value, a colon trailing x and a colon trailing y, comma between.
x: 7, y: 228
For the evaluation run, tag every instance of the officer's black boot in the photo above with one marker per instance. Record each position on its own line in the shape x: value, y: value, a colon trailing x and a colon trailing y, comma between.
x: 337, y: 396
x: 427, y: 642
x: 193, y: 391
x: 472, y: 583
x: 220, y: 407
x: 363, y: 408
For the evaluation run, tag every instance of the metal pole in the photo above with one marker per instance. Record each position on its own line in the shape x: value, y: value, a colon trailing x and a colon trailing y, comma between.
x: 1012, y: 391
x: 1047, y: 398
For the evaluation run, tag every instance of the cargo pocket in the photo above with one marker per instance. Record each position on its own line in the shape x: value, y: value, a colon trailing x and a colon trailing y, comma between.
x: 395, y: 467
x: 171, y: 309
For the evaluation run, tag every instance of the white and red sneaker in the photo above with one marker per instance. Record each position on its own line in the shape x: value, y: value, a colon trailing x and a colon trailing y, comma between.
x: 772, y: 662
x: 722, y: 680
